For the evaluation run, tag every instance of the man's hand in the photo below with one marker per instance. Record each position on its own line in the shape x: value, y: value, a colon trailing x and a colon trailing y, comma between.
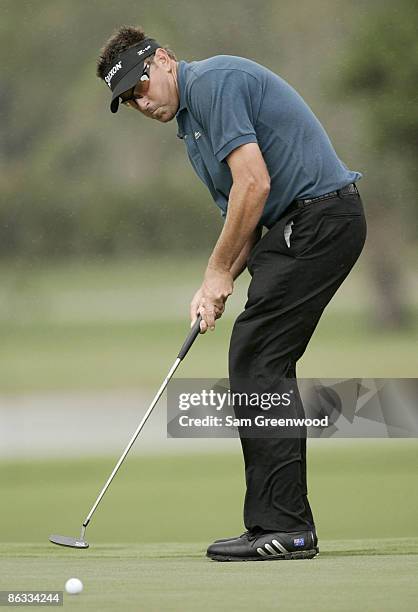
x: 195, y: 306
x: 210, y: 299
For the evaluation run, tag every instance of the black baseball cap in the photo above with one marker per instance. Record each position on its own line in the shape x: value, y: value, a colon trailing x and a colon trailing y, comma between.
x: 127, y: 69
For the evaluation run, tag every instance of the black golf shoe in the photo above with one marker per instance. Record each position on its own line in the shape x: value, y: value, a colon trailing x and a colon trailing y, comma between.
x: 230, y: 539
x: 315, y: 537
x: 267, y: 546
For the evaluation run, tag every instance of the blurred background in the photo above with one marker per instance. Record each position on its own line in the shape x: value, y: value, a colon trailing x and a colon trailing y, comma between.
x: 104, y: 235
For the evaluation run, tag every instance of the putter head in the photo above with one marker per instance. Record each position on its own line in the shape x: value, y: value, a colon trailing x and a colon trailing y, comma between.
x: 68, y: 541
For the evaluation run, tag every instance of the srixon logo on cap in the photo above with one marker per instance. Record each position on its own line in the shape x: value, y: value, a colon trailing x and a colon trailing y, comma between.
x: 141, y: 51
x: 112, y: 72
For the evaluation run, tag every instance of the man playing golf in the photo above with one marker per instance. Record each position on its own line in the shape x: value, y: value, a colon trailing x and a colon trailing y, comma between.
x: 268, y: 163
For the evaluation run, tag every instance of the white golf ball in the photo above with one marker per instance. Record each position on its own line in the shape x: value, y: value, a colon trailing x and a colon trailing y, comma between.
x: 73, y: 586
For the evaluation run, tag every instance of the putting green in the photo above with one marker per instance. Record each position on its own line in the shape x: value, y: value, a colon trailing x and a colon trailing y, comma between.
x: 378, y: 575
x: 364, y: 495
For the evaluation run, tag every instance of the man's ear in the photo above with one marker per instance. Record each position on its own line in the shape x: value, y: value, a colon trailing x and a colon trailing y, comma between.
x: 162, y: 57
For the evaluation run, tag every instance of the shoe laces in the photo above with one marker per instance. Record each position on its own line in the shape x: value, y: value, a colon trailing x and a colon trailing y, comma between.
x: 252, y: 534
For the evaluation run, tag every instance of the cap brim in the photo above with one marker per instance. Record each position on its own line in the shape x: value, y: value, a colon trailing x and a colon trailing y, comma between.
x: 114, y: 105
x: 129, y: 80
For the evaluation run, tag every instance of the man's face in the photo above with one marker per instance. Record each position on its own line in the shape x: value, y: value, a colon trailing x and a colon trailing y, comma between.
x: 161, y: 99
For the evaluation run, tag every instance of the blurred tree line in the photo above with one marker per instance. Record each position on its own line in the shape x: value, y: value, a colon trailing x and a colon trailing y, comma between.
x: 79, y: 181
x: 382, y: 80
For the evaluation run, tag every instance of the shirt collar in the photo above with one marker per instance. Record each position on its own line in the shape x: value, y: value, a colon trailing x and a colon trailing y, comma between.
x: 181, y: 82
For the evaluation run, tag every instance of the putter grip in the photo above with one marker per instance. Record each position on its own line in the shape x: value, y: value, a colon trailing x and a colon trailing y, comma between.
x: 194, y: 332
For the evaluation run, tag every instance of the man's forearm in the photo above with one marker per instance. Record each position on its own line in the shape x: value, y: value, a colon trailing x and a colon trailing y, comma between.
x: 240, y: 263
x: 245, y: 206
x: 247, y: 198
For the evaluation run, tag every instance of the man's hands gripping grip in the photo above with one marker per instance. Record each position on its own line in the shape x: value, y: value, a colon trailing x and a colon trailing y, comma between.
x: 209, y: 300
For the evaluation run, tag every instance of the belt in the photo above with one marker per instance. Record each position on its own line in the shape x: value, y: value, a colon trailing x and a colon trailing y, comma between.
x: 351, y: 188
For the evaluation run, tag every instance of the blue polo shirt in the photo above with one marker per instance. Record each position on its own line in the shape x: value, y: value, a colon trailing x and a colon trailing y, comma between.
x: 228, y: 101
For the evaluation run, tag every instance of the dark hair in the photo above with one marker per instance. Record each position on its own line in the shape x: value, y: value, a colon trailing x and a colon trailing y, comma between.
x: 123, y: 38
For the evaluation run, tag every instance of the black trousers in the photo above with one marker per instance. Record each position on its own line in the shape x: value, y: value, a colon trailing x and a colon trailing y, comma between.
x: 293, y: 279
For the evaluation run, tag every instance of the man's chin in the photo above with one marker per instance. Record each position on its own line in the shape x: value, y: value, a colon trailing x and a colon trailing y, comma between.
x: 163, y: 115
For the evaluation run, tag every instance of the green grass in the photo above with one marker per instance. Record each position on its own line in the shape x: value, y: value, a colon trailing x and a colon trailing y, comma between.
x: 98, y: 325
x: 148, y: 538
x: 358, y: 489
x: 375, y: 575
x: 47, y: 356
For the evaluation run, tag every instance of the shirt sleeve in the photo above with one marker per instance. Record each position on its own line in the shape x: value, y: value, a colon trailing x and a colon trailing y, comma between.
x: 226, y: 103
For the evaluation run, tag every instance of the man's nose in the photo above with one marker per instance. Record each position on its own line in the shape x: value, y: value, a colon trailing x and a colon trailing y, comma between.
x: 142, y: 104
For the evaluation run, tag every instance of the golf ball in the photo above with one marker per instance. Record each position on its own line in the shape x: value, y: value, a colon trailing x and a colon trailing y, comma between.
x: 73, y: 586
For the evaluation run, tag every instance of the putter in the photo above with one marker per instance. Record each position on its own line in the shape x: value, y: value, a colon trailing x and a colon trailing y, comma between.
x: 81, y: 542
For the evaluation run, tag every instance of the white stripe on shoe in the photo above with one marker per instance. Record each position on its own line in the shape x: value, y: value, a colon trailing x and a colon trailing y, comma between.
x: 269, y: 551
x: 280, y: 547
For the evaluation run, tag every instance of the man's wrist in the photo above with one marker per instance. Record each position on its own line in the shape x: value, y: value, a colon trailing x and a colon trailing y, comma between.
x: 215, y: 265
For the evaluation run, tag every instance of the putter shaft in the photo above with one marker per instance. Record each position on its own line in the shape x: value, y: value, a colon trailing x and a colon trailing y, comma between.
x: 194, y: 332
x: 130, y: 443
